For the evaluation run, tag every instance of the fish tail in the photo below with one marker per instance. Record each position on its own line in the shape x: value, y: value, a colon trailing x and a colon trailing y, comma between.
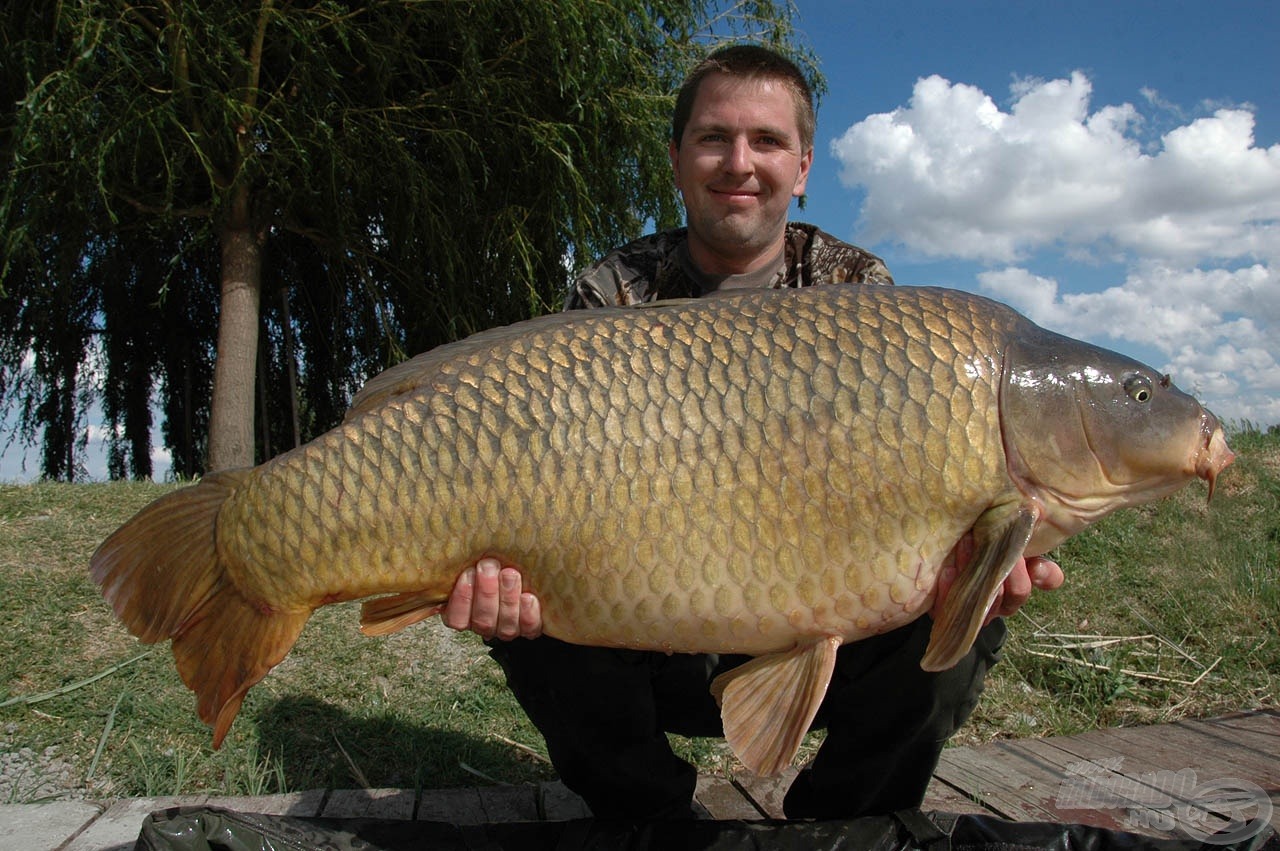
x: 162, y: 575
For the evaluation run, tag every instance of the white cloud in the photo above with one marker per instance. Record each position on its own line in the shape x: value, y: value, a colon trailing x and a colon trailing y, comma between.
x: 1188, y: 204
x: 952, y: 174
x: 1156, y: 305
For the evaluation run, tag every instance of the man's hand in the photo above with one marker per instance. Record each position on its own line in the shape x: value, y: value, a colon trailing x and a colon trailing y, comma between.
x: 488, y: 599
x: 1027, y: 574
x: 1036, y: 572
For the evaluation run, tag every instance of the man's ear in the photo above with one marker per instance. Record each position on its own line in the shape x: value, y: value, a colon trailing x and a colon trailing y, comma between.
x: 802, y: 180
x: 673, y: 153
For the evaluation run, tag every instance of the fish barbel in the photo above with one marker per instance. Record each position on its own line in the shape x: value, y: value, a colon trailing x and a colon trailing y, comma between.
x: 773, y: 473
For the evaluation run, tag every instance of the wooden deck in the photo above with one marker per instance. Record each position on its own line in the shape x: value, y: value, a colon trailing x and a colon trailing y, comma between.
x: 1143, y: 779
x: 1161, y: 781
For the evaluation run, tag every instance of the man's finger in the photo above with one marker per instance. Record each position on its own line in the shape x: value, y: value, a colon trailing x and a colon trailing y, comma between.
x: 457, y: 610
x: 485, y: 600
x: 530, y: 616
x: 1016, y: 588
x: 508, y: 616
x: 1046, y: 575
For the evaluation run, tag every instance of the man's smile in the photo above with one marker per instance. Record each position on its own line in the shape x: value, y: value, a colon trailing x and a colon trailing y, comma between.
x: 734, y: 194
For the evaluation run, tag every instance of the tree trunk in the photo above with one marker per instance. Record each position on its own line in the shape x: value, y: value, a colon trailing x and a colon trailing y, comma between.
x: 231, y: 409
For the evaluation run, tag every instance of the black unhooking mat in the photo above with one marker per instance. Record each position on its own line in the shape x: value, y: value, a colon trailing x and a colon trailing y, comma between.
x: 213, y: 829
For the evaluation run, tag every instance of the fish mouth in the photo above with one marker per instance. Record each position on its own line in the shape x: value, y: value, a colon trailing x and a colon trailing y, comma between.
x: 1214, y: 456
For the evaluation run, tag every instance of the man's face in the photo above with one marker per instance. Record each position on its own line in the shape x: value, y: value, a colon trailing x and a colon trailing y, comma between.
x: 739, y: 164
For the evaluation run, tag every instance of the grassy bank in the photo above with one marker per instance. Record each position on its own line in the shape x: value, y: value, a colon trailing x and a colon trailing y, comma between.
x: 1170, y: 611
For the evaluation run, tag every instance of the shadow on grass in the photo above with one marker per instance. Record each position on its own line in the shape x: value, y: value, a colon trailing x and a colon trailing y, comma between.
x: 313, y: 744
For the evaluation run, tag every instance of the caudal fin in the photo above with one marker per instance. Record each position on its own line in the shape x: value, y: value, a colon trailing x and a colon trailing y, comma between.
x: 161, y: 574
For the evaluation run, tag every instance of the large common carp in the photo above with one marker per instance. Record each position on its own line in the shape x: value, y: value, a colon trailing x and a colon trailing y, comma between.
x: 772, y: 473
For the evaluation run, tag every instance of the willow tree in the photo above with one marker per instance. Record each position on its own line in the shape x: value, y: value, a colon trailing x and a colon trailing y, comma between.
x: 371, y: 179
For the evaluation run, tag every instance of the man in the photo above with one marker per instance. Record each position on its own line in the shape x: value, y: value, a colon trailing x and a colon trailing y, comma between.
x: 741, y: 149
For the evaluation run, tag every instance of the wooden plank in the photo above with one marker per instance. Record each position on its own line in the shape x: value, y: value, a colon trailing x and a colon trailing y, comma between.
x: 556, y: 802
x: 1041, y: 768
x: 44, y: 825
x: 1007, y: 786
x: 1261, y: 726
x: 1196, y: 746
x: 1250, y: 740
x: 1256, y: 732
x: 1069, y: 797
x: 1160, y: 753
x: 1147, y: 778
x: 301, y: 804
x: 1250, y: 743
x: 1206, y: 759
x: 723, y: 800
x: 455, y: 806
x: 369, y: 803
x: 119, y: 825
x: 766, y: 793
x: 504, y: 804
x: 942, y: 797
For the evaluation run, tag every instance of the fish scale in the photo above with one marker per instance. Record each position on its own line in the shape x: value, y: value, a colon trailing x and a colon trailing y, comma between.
x: 770, y: 473
x: 759, y: 437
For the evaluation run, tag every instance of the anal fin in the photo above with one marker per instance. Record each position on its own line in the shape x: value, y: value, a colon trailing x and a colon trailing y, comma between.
x: 768, y: 704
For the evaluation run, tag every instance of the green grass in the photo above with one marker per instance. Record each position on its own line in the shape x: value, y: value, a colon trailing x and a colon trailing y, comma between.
x: 426, y: 708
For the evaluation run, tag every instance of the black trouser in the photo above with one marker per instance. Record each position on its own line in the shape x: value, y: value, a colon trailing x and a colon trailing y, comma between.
x: 605, y: 715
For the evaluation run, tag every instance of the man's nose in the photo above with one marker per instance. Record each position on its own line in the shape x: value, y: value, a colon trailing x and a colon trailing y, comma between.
x: 737, y: 159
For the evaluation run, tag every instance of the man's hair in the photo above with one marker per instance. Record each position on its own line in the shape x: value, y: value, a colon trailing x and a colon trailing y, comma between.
x: 747, y: 62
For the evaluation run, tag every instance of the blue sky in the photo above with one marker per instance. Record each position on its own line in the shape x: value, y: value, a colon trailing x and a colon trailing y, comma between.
x: 1111, y: 169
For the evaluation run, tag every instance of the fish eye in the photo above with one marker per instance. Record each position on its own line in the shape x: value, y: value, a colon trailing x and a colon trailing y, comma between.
x: 1138, y: 387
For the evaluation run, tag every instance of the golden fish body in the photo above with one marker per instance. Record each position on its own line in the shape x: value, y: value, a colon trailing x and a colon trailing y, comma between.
x: 725, y: 486
x: 773, y: 473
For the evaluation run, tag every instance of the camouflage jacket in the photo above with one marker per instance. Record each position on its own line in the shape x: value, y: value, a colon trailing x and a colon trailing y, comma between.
x: 654, y: 267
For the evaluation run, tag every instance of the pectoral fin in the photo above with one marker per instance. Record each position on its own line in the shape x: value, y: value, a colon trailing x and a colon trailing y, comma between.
x: 768, y: 704
x: 1000, y: 538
